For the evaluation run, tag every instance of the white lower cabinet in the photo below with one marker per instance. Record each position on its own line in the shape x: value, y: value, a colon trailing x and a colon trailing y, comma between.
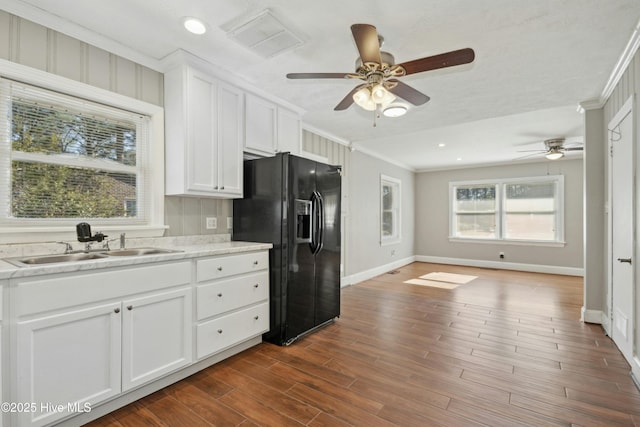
x: 67, y: 360
x: 156, y: 336
x: 88, y: 337
x: 232, y: 301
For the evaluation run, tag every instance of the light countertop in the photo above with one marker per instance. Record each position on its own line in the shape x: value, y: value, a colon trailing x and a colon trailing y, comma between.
x: 187, y: 251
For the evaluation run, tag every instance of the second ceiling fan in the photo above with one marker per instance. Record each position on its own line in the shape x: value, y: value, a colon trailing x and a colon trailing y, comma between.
x: 379, y: 72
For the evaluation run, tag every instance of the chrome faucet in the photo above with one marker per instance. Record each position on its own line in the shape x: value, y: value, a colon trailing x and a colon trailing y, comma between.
x: 67, y: 247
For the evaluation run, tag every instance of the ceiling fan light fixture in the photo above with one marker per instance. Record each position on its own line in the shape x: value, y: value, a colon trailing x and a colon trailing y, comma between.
x: 194, y: 25
x: 380, y: 95
x: 363, y: 99
x: 395, y: 110
x: 554, y: 155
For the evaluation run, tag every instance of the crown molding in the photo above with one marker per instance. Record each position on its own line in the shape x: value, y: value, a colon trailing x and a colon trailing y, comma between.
x: 360, y: 148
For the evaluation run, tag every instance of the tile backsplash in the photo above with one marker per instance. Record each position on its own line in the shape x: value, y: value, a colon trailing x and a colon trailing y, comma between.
x: 187, y: 216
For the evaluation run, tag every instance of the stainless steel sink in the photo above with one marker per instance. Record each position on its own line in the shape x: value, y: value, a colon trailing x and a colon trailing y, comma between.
x: 139, y: 252
x: 84, y: 256
x: 52, y: 259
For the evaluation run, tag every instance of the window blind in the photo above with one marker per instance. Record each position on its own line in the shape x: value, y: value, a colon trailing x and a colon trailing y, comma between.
x: 67, y: 158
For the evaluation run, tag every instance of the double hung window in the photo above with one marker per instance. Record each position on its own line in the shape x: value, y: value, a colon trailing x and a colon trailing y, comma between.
x: 524, y: 209
x: 65, y: 158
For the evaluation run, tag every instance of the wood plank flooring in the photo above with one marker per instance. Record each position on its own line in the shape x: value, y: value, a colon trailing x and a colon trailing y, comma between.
x: 506, y: 349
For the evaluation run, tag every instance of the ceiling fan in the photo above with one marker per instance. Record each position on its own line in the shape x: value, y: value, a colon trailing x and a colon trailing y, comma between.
x: 379, y: 72
x: 554, y: 149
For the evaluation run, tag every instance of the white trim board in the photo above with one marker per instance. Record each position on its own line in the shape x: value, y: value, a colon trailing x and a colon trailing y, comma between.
x: 501, y: 265
x: 373, y: 272
x: 595, y: 316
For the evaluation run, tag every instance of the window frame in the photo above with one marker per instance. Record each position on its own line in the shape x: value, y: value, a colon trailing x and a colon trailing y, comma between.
x: 396, y: 185
x: 500, y: 189
x: 152, y: 170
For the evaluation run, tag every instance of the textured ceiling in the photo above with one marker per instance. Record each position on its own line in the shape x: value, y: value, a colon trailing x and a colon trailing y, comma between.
x: 535, y: 61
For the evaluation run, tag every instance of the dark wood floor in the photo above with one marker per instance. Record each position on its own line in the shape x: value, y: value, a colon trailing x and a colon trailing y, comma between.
x: 506, y: 349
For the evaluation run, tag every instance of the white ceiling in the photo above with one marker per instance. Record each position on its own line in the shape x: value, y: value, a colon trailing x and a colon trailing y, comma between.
x: 535, y: 62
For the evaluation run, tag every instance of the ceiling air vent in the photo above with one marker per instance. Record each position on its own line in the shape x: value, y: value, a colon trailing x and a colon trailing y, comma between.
x: 265, y: 35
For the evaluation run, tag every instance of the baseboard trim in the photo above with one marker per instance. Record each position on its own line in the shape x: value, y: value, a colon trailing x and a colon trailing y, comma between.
x: 368, y: 274
x: 594, y: 316
x: 501, y: 265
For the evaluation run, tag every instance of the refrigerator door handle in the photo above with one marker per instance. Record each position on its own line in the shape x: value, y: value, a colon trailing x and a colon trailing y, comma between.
x: 313, y: 243
x: 320, y: 222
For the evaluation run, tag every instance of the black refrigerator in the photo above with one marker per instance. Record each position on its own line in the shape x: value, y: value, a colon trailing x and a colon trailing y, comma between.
x: 294, y: 203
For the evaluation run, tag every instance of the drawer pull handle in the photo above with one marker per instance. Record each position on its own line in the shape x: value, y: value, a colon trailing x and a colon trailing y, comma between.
x: 256, y: 285
x: 256, y: 318
x: 129, y: 307
x: 219, y: 268
x: 116, y: 310
x: 219, y: 331
x: 255, y: 262
x: 220, y: 295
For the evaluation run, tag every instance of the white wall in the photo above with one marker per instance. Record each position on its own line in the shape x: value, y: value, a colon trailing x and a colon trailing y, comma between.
x: 432, y: 219
x: 367, y: 257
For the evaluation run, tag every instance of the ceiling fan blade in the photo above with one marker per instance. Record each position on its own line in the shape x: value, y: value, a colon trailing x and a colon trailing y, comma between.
x: 366, y: 38
x: 407, y: 93
x: 572, y: 148
x: 449, y: 59
x: 347, y: 100
x: 529, y: 155
x: 317, y: 75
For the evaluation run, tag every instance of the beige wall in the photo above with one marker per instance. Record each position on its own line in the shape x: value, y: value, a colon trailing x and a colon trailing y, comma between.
x: 432, y: 216
x: 364, y: 249
x: 35, y: 46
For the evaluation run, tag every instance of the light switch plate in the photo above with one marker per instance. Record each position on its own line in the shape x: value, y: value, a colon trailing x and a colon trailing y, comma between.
x: 229, y: 222
x: 212, y: 223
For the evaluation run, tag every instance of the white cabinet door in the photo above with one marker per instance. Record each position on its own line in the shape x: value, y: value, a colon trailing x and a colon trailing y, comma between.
x: 260, y: 125
x: 204, y: 130
x: 67, y: 359
x: 289, y: 131
x: 157, y: 336
x: 230, y: 138
x: 202, y: 149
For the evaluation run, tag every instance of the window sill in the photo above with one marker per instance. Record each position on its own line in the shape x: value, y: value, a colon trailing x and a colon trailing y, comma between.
x: 545, y: 243
x: 52, y: 234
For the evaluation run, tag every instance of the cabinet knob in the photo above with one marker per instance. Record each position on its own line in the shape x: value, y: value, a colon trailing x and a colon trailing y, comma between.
x: 222, y: 188
x: 256, y: 318
x: 256, y: 285
x: 220, y: 295
x: 215, y: 188
x: 219, y: 268
x: 219, y: 331
x: 116, y: 310
x: 255, y: 262
x: 129, y: 307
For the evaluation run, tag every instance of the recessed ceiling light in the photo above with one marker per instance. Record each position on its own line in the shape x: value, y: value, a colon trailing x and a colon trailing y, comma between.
x: 441, y: 145
x: 459, y: 158
x: 194, y: 25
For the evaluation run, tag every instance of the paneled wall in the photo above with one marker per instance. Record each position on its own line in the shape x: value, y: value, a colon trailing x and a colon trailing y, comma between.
x: 35, y: 46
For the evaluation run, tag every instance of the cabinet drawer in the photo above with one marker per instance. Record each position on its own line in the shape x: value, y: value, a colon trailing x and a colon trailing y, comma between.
x: 218, y: 334
x: 226, y: 295
x: 218, y: 267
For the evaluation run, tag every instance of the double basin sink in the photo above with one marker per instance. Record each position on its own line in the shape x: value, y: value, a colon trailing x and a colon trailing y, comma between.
x: 85, y: 256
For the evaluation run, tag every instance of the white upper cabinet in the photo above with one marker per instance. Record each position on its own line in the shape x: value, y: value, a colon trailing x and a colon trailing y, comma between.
x: 270, y: 128
x: 204, y: 127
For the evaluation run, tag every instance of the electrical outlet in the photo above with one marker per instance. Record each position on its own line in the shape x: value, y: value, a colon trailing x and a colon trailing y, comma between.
x: 229, y: 222
x: 393, y: 252
x: 212, y: 223
x: 501, y: 255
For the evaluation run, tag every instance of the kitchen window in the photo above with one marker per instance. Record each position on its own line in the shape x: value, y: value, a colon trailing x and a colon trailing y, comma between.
x: 67, y: 159
x: 389, y: 210
x: 511, y: 210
